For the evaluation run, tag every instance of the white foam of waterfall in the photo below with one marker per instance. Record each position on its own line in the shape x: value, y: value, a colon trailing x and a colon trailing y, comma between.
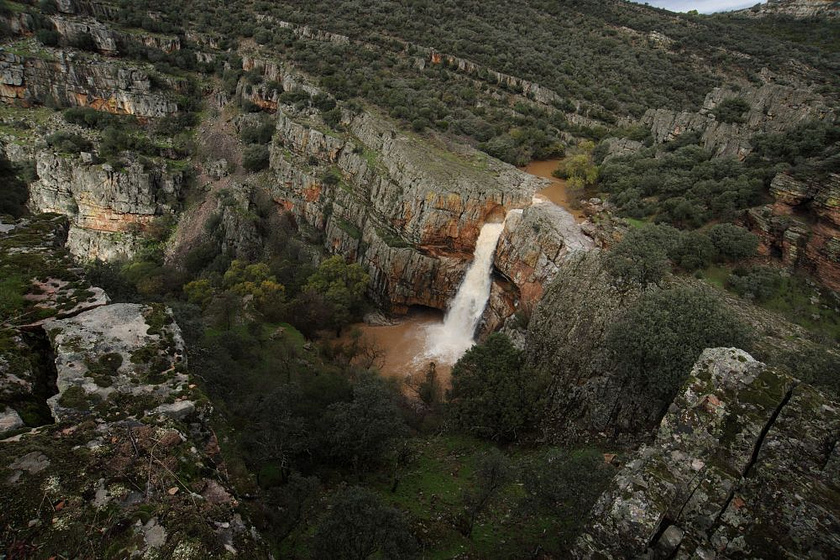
x: 448, y: 341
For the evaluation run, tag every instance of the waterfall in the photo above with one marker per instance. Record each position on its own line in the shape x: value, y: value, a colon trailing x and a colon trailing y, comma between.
x: 448, y: 341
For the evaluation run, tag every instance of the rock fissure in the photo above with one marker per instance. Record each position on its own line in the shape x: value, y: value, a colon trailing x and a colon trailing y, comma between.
x: 761, y: 437
x: 753, y: 458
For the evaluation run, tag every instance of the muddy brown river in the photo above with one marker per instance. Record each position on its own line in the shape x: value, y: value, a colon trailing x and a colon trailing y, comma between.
x: 558, y: 191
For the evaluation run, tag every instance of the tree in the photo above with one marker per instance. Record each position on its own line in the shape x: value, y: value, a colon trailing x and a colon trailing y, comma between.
x: 580, y: 169
x: 733, y: 243
x: 290, y: 504
x: 693, y: 251
x: 343, y: 286
x: 14, y: 193
x: 255, y: 158
x: 732, y: 110
x: 492, y: 394
x: 492, y: 474
x: 255, y: 281
x: 655, y: 343
x: 564, y: 482
x: 641, y: 257
x: 359, y: 525
x: 361, y: 430
x: 199, y: 292
x: 759, y: 283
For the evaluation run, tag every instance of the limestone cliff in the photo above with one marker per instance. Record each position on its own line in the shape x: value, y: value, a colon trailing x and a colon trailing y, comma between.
x: 409, y: 212
x: 802, y: 227
x: 771, y: 108
x: 72, y: 80
x: 745, y: 465
x: 108, y: 208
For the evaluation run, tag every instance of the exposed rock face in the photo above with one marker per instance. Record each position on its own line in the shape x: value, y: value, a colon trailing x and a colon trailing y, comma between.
x: 113, y: 353
x: 803, y: 225
x: 564, y: 338
x: 409, y: 213
x: 533, y: 245
x: 745, y: 465
x: 619, y: 147
x: 9, y: 421
x: 773, y: 108
x: 73, y: 29
x: 132, y: 439
x: 107, y: 208
x: 801, y: 9
x: 100, y: 84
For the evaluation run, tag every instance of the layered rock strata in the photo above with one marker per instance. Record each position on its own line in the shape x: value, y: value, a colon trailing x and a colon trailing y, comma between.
x: 745, y: 465
x: 802, y: 226
x: 410, y: 213
x: 78, y: 82
x: 772, y: 108
x: 108, y: 208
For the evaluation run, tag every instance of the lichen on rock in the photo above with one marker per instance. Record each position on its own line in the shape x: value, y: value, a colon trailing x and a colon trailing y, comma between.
x: 743, y: 465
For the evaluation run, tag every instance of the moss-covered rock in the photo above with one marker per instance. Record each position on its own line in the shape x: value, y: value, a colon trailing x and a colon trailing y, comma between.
x: 744, y: 465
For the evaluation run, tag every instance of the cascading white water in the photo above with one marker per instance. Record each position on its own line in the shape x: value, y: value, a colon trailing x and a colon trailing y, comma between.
x: 448, y: 341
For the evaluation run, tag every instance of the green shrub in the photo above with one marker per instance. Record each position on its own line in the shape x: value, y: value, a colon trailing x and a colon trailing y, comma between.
x: 759, y: 283
x: 655, y: 342
x: 360, y: 525
x: 641, y: 257
x: 257, y: 134
x: 732, y: 110
x: 68, y: 143
x: 493, y: 395
x: 733, y: 243
x: 48, y: 37
x: 255, y: 158
x: 693, y: 251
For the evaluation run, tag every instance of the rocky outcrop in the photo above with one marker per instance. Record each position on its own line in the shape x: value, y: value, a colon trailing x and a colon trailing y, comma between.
x: 108, y: 208
x: 802, y: 227
x: 529, y: 254
x: 772, y: 108
x: 72, y: 81
x: 564, y: 339
x: 620, y: 147
x: 533, y: 245
x: 115, y: 353
x: 92, y: 8
x: 800, y: 9
x: 73, y: 29
x: 745, y: 465
x: 127, y: 461
x: 407, y: 211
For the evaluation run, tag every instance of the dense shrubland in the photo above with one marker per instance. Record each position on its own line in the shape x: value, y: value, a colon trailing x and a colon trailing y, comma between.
x: 307, y: 420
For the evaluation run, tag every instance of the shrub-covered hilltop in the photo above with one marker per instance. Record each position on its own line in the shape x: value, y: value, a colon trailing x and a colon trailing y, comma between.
x: 201, y: 201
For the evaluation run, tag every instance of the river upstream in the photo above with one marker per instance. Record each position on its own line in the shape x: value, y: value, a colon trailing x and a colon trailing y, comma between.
x: 426, y: 336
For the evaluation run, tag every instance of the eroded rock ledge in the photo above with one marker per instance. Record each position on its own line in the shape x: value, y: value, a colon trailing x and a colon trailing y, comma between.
x: 108, y: 208
x: 409, y: 212
x: 744, y: 465
x: 131, y: 467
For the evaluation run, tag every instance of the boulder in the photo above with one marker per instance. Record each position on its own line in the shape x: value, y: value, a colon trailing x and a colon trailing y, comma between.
x: 744, y: 465
x: 116, y: 361
x: 9, y: 421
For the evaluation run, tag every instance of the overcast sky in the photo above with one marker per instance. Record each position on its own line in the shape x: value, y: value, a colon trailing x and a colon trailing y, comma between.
x: 702, y: 6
